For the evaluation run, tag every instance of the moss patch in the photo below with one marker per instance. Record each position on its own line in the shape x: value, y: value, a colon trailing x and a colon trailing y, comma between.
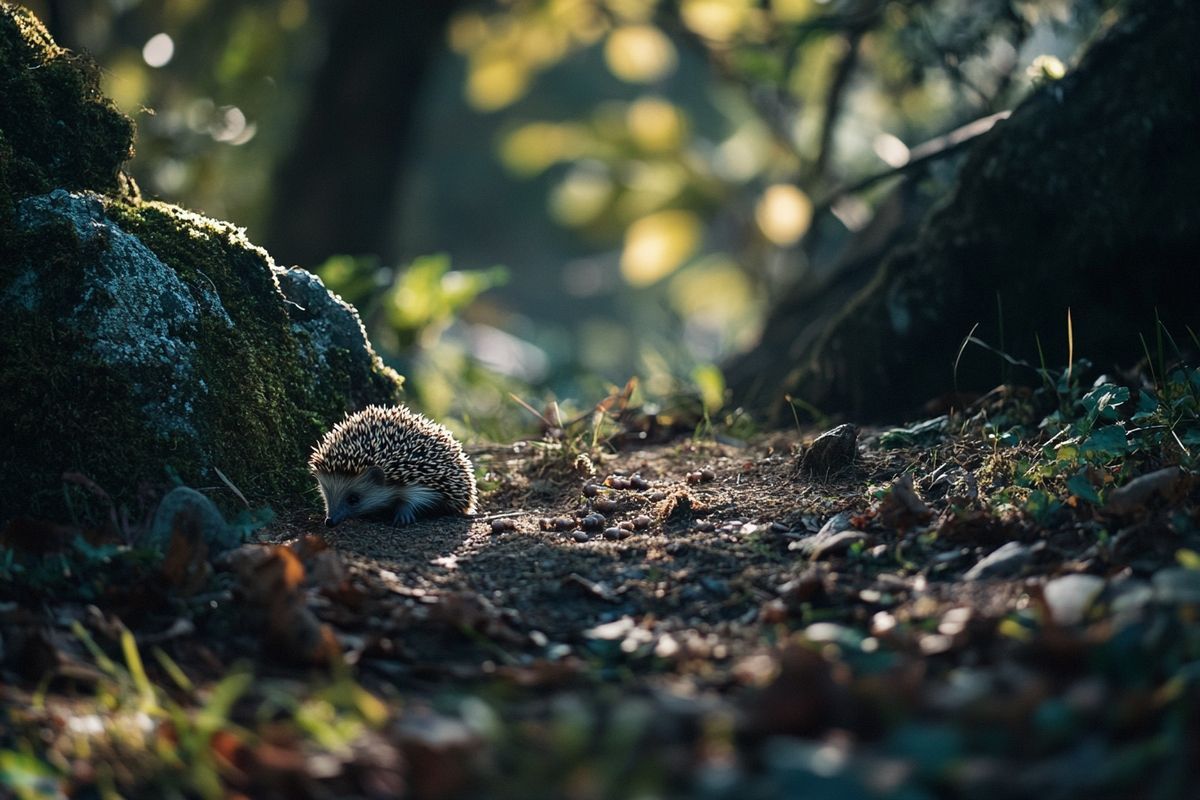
x: 56, y: 128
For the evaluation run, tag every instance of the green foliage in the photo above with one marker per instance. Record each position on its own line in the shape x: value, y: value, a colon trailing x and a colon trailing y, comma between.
x: 426, y: 296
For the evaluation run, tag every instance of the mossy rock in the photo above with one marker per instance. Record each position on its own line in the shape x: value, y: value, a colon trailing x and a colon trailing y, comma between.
x: 142, y: 341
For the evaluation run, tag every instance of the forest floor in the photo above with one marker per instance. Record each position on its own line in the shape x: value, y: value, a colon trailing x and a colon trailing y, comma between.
x: 941, y: 610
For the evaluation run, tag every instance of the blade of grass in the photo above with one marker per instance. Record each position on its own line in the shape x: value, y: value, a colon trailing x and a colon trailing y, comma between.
x: 232, y: 488
x: 137, y: 670
x: 173, y: 670
x: 958, y: 357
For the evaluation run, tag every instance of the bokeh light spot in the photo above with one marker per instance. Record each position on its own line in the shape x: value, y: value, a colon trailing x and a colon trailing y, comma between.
x: 717, y: 20
x: 1046, y: 68
x: 655, y: 125
x: 783, y: 214
x: 639, y: 54
x: 657, y: 244
x: 496, y: 82
x: 158, y: 50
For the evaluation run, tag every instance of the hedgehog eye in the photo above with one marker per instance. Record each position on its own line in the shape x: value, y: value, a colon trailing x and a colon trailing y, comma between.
x: 353, y: 498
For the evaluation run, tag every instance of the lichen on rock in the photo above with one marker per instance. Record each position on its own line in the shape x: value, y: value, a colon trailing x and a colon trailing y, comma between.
x: 141, y: 340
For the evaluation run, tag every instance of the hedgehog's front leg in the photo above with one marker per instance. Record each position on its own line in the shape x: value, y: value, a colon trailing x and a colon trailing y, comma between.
x: 406, y: 514
x: 415, y: 499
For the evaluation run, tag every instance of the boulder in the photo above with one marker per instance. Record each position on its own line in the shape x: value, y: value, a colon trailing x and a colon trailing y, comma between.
x: 139, y: 342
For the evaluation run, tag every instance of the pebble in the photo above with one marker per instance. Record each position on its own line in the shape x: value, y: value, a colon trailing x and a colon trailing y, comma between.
x: 656, y: 497
x: 831, y: 451
x: 593, y: 521
x: 605, y: 505
x: 591, y: 489
x: 626, y: 525
x: 636, y: 481
x: 641, y: 522
x: 705, y: 526
x: 580, y: 536
x: 503, y: 525
x: 612, y: 533
x: 1004, y: 561
x: 617, y: 482
x: 564, y: 523
x: 1070, y: 597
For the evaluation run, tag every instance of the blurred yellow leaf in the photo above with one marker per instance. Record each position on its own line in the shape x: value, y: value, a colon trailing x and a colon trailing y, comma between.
x: 718, y: 20
x: 657, y: 244
x: 127, y: 83
x: 655, y: 125
x: 783, y: 214
x: 466, y: 32
x: 711, y: 383
x: 1188, y: 558
x: 495, y: 82
x: 651, y: 186
x: 532, y: 148
x: 792, y: 10
x: 631, y: 10
x: 581, y: 197
x: 639, y: 54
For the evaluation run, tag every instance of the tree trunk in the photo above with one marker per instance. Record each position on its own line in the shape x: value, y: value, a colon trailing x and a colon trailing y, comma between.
x: 1084, y: 199
x: 334, y: 192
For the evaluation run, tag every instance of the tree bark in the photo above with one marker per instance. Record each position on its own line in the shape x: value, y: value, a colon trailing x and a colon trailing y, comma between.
x: 334, y: 192
x: 1084, y: 199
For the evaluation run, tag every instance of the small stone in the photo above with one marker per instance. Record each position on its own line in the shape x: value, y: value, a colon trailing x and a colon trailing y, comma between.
x: 564, y: 523
x: 626, y: 525
x: 831, y: 452
x: 592, y: 521
x: 636, y: 481
x: 692, y: 477
x: 580, y: 536
x: 1177, y: 585
x: 624, y: 533
x: 605, y: 505
x: 705, y: 526
x: 612, y: 533
x: 641, y: 522
x: 656, y: 497
x: 183, y: 505
x: 590, y: 489
x: 503, y: 525
x: 1005, y: 561
x: 617, y: 482
x: 1070, y: 597
x: 707, y: 475
x: 836, y: 544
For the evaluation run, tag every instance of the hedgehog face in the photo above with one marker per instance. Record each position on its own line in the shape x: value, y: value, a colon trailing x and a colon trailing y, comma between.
x: 349, y: 496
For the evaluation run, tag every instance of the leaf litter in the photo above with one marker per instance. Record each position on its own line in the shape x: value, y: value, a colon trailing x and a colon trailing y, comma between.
x: 939, y: 612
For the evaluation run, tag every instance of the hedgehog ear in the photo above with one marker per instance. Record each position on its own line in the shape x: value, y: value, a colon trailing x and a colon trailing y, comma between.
x: 375, y: 475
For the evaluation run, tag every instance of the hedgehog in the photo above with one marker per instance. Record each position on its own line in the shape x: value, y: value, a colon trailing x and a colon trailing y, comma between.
x: 390, y: 459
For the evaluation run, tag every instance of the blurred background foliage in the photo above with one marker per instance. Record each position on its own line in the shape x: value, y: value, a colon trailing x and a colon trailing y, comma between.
x: 649, y: 174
